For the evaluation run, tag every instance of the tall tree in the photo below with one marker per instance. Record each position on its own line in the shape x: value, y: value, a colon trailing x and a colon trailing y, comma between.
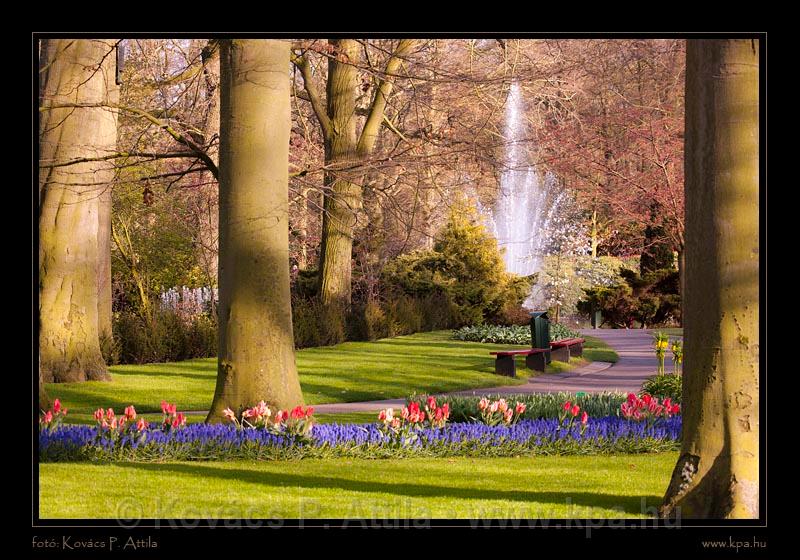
x: 78, y: 130
x: 717, y: 473
x: 256, y: 346
x: 345, y: 148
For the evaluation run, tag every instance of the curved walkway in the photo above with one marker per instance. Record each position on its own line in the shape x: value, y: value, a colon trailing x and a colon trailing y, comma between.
x: 636, y: 363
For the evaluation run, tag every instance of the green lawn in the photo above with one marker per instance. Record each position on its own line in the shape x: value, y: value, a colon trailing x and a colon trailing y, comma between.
x: 596, y: 350
x: 520, y: 487
x: 349, y: 372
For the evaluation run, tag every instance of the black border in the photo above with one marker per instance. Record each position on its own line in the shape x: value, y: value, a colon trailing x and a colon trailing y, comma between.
x: 238, y: 536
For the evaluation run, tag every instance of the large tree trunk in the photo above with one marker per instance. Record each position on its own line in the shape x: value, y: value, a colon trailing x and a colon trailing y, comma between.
x: 79, y: 72
x: 342, y: 195
x: 256, y: 345
x: 717, y: 472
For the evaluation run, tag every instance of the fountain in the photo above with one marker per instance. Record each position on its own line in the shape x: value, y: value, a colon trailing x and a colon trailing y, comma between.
x: 527, y: 201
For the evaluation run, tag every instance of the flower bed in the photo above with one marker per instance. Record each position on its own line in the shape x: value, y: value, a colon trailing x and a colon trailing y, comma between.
x: 464, y: 408
x: 226, y: 441
x: 513, y: 334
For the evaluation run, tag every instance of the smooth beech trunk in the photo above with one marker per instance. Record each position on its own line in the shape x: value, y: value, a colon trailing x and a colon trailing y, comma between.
x: 256, y: 345
x: 76, y: 72
x: 717, y: 474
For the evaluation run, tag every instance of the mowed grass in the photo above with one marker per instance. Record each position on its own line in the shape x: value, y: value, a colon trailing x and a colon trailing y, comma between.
x: 349, y: 372
x: 519, y: 487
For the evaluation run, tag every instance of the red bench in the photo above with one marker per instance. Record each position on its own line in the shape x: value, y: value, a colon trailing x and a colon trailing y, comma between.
x: 535, y: 358
x: 561, y: 350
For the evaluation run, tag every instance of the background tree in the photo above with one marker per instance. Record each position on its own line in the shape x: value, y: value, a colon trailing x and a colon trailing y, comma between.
x: 345, y: 148
x: 256, y: 346
x: 717, y: 474
x: 78, y: 131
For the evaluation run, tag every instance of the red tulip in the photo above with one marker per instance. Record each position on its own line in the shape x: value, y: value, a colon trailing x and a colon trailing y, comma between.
x: 56, y: 406
x: 47, y: 417
x: 575, y: 410
x: 567, y: 405
x: 309, y: 412
x: 631, y: 397
x: 584, y: 417
x: 446, y: 410
x: 382, y: 415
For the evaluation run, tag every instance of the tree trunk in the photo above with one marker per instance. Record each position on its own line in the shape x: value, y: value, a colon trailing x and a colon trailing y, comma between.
x: 79, y: 72
x: 256, y: 345
x: 717, y: 473
x: 342, y: 196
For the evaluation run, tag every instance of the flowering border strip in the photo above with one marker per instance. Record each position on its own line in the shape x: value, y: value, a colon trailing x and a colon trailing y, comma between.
x: 225, y: 441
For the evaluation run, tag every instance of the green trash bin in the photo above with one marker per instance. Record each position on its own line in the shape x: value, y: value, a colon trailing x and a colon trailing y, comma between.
x: 540, y: 332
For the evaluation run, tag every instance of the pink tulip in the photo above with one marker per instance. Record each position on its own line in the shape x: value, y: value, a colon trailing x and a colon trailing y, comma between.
x: 56, y: 406
x: 483, y: 404
x: 567, y: 405
x: 584, y: 417
x: 494, y: 407
x: 110, y: 413
x: 99, y: 414
x: 229, y: 414
x: 508, y: 415
x: 47, y: 417
x: 520, y: 408
x: 130, y: 412
x: 446, y: 410
x: 431, y: 402
x: 382, y: 415
x: 141, y: 424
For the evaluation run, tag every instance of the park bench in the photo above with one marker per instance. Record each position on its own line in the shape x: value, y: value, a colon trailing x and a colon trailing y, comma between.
x: 535, y: 358
x: 561, y: 350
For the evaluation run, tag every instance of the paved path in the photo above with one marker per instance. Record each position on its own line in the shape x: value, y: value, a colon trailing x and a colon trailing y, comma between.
x: 636, y: 363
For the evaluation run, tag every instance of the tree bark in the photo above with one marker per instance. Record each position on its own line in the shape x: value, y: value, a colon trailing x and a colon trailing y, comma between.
x: 256, y: 345
x: 717, y: 474
x: 342, y: 195
x: 78, y: 72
